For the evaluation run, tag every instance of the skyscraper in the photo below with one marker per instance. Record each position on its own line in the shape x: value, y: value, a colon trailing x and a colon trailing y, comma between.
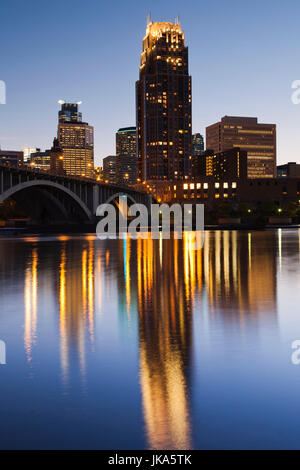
x: 56, y: 159
x: 109, y: 169
x: 197, y: 153
x: 76, y: 139
x: 126, y: 156
x: 164, y: 100
x: 258, y: 140
x: 197, y: 145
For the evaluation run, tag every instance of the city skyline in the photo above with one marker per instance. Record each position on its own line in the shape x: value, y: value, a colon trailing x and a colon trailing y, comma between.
x: 257, y: 87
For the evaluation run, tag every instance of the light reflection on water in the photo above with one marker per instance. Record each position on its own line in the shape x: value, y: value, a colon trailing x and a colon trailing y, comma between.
x: 148, y: 343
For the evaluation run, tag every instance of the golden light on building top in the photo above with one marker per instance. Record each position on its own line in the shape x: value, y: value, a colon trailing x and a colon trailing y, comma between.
x: 154, y: 31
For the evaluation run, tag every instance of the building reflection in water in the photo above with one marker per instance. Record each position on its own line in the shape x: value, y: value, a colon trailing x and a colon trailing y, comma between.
x: 30, y: 301
x: 239, y: 283
x: 161, y: 285
x: 74, y: 285
x: 239, y: 276
x: 165, y: 341
x: 76, y: 303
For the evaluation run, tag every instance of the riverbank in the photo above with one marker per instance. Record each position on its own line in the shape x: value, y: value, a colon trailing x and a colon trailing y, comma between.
x: 91, y: 229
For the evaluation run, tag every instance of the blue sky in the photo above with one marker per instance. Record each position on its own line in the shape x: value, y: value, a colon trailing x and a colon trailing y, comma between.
x: 243, y: 57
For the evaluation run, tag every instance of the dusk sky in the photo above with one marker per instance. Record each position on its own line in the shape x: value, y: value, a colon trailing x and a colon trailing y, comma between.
x: 243, y: 58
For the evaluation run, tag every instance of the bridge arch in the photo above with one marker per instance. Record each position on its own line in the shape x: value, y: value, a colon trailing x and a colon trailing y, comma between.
x: 120, y: 194
x: 47, y: 184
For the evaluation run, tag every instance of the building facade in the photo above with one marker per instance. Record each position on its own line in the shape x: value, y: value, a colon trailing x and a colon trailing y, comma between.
x: 109, y: 169
x: 126, y: 152
x: 27, y: 152
x: 163, y: 102
x: 230, y: 164
x: 98, y: 173
x: 197, y: 144
x: 258, y: 140
x: 76, y: 139
x: 56, y: 159
x: 288, y: 170
x: 280, y: 192
x: 40, y: 160
x: 11, y: 157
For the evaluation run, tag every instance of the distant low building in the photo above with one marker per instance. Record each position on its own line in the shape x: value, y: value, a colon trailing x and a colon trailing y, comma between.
x: 11, y: 157
x: 256, y: 192
x: 40, y: 160
x: 289, y: 170
x: 27, y: 152
x: 109, y: 169
x: 98, y: 173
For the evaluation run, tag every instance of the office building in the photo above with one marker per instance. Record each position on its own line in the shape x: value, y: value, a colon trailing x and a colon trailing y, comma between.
x: 126, y: 162
x: 56, y: 159
x: 76, y: 139
x: 289, y: 170
x: 98, y: 174
x: 228, y: 165
x: 258, y: 140
x: 164, y: 100
x: 197, y: 144
x: 40, y: 160
x: 257, y: 193
x: 11, y: 157
x: 109, y: 169
x: 69, y: 112
x: 27, y: 152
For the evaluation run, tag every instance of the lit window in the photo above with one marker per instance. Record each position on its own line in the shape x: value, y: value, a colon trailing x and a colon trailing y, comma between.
x: 217, y: 185
x: 234, y: 185
x: 198, y: 185
x: 185, y: 186
x: 175, y: 187
x: 205, y: 185
x: 192, y: 186
x: 225, y: 185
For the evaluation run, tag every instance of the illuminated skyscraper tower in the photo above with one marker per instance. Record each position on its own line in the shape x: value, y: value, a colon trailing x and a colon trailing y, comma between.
x: 163, y: 100
x: 126, y: 156
x: 76, y: 139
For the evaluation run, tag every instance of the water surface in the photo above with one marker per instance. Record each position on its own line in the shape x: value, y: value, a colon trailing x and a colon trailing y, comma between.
x: 115, y: 344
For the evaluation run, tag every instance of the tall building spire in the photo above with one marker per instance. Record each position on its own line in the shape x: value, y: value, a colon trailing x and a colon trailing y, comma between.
x: 149, y: 21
